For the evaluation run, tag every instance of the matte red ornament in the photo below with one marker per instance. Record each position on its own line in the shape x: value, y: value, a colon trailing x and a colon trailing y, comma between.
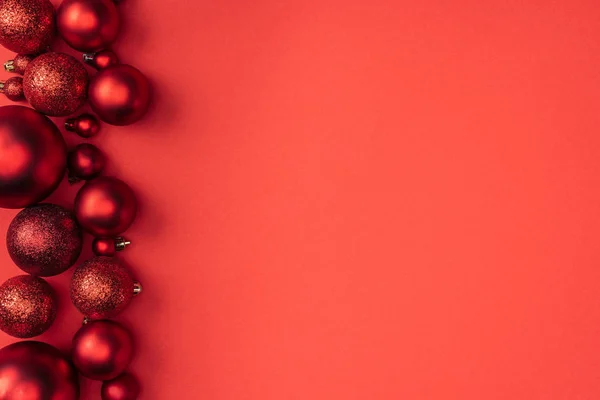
x: 120, y: 94
x: 101, y: 287
x: 88, y: 25
x: 35, y: 370
x: 102, y: 350
x: 26, y: 26
x: 85, y: 161
x: 105, y: 206
x: 18, y: 64
x: 85, y: 125
x: 109, y: 246
x: 123, y: 387
x: 27, y: 306
x: 13, y: 88
x: 32, y: 157
x: 102, y: 59
x: 55, y: 84
x: 44, y: 240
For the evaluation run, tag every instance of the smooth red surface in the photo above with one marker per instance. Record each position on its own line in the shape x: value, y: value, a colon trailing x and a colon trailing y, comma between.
x: 360, y: 200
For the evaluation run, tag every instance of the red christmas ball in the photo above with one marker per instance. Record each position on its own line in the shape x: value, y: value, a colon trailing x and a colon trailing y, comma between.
x: 123, y: 387
x: 101, y: 287
x: 36, y: 370
x: 102, y: 350
x: 13, y: 88
x: 88, y: 25
x: 120, y: 94
x: 85, y: 125
x: 27, y: 306
x: 102, y: 59
x: 85, y: 161
x: 32, y: 157
x: 26, y: 26
x: 55, y: 84
x: 105, y: 206
x: 44, y: 240
x: 19, y: 63
x: 109, y: 246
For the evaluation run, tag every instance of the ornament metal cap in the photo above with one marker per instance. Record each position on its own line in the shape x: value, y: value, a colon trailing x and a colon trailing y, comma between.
x: 88, y: 57
x: 9, y: 66
x: 121, y: 243
x: 137, y: 288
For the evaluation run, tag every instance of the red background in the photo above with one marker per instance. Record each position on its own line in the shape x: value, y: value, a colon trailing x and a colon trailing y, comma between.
x: 360, y: 200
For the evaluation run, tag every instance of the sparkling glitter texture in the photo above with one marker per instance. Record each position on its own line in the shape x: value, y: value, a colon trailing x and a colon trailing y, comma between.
x: 27, y: 306
x: 123, y: 387
x: 44, y: 240
x: 26, y: 26
x: 18, y: 64
x: 101, y: 287
x: 85, y: 161
x: 13, y: 88
x: 55, y: 84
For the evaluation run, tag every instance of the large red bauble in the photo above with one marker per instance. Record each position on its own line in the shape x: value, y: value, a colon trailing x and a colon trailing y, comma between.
x: 36, y: 370
x: 26, y: 26
x: 44, y: 240
x: 55, y: 84
x: 123, y: 387
x: 88, y: 25
x: 27, y: 306
x: 105, y: 206
x: 119, y: 94
x: 32, y: 157
x: 101, y: 287
x: 102, y: 350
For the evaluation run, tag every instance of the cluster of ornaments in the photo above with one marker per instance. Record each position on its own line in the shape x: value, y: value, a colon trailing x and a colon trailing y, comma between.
x: 45, y: 239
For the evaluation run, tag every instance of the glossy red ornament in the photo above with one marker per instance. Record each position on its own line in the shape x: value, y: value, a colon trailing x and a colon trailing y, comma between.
x: 101, y: 287
x: 44, y: 239
x: 109, y: 246
x: 102, y: 59
x: 33, y: 370
x: 32, y: 157
x: 27, y: 306
x: 18, y: 64
x: 102, y: 350
x: 55, y: 84
x: 85, y: 161
x: 123, y: 387
x: 88, y: 25
x: 13, y: 88
x: 120, y: 94
x: 26, y: 26
x: 85, y: 125
x: 105, y: 206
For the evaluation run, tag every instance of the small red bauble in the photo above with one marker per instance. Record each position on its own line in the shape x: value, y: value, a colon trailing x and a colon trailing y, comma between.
x: 19, y: 63
x: 120, y: 94
x: 85, y: 161
x: 88, y: 25
x: 26, y: 26
x: 36, y: 370
x: 123, y: 387
x: 13, y: 88
x: 101, y: 287
x: 85, y: 125
x: 27, y: 306
x: 44, y: 240
x: 109, y: 246
x: 102, y: 59
x: 55, y: 84
x: 105, y: 206
x: 102, y: 350
x: 32, y: 157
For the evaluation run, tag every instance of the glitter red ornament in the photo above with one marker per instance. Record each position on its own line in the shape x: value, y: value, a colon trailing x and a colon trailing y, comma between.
x: 85, y: 161
x: 102, y: 350
x: 105, y: 206
x: 27, y: 306
x: 18, y: 64
x: 32, y: 157
x: 55, y: 84
x: 102, y: 59
x: 36, y: 370
x: 109, y: 246
x: 88, y: 25
x: 85, y: 125
x: 123, y: 387
x: 120, y: 94
x: 101, y: 287
x: 26, y: 26
x: 13, y: 88
x: 44, y: 239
